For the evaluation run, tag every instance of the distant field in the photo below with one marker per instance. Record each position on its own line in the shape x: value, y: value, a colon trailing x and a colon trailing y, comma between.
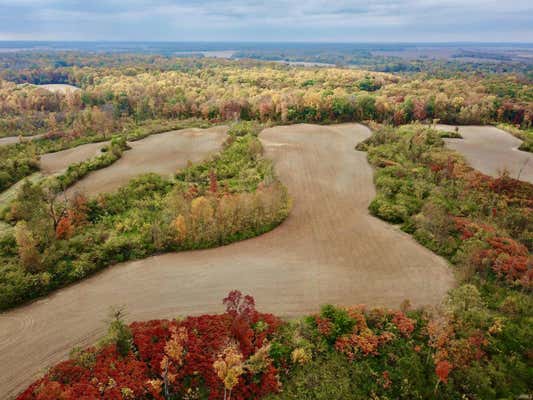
x: 60, y: 88
x: 491, y: 151
x: 162, y: 153
x: 9, y: 140
x: 53, y: 163
x: 15, y: 139
x: 212, y: 54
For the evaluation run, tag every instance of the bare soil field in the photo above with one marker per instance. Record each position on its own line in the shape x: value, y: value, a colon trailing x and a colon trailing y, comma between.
x: 15, y: 139
x: 491, y: 150
x: 59, y: 88
x: 162, y: 153
x: 9, y: 140
x: 52, y: 163
x: 329, y: 250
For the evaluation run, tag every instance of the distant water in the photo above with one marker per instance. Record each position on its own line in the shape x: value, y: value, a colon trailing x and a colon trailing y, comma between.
x: 211, y: 54
x: 219, y: 49
x: 212, y: 49
x: 293, y: 53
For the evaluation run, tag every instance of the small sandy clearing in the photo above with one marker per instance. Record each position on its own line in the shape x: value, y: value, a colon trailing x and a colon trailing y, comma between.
x: 59, y: 88
x: 9, y: 140
x: 16, y: 139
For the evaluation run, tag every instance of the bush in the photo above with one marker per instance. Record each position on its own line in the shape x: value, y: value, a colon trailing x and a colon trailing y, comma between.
x: 328, y: 378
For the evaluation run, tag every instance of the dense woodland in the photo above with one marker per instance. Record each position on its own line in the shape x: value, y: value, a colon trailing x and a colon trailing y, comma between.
x: 442, y: 61
x: 159, y: 89
x: 477, y: 346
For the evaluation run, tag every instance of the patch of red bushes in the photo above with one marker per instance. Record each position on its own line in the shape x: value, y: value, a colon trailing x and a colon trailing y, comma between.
x: 507, y: 258
x: 107, y: 375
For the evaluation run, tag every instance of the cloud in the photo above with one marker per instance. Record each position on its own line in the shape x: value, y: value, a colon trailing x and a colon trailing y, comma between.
x: 312, y: 20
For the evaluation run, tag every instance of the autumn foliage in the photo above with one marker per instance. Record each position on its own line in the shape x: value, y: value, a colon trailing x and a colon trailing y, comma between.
x: 174, y: 358
x: 508, y: 259
x: 245, y: 354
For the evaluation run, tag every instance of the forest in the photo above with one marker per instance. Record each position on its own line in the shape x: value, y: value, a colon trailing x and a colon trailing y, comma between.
x: 475, y: 345
x: 140, y: 88
x: 144, y: 90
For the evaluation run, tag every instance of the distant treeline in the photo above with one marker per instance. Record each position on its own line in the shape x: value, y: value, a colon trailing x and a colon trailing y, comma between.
x: 140, y: 88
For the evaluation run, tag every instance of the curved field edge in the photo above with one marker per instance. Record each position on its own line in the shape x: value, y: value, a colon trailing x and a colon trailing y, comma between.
x: 526, y: 135
x: 75, y: 172
x: 460, y: 330
x: 492, y: 151
x: 338, y: 353
x: 417, y: 178
x: 481, y: 224
x: 163, y: 154
x: 232, y: 196
x: 19, y: 160
x: 316, y: 256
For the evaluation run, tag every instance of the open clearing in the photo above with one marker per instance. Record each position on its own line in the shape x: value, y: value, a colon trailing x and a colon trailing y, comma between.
x: 491, y: 150
x: 329, y: 250
x: 59, y: 88
x: 162, y: 153
x: 53, y: 163
x: 15, y: 139
x: 9, y: 140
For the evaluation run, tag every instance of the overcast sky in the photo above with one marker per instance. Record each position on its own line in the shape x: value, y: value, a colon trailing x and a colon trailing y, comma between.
x: 270, y: 20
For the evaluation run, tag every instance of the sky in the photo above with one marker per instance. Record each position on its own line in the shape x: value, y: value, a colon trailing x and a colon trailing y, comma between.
x: 270, y: 20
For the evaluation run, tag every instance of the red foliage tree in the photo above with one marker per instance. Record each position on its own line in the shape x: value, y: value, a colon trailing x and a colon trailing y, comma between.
x: 64, y: 228
x: 213, y: 183
x: 443, y: 369
x: 139, y: 374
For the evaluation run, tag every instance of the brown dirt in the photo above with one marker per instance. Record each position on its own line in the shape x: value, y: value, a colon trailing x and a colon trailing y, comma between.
x: 491, y: 150
x: 329, y: 250
x: 59, y: 88
x: 163, y: 153
x: 15, y: 139
x: 9, y: 140
x: 53, y: 163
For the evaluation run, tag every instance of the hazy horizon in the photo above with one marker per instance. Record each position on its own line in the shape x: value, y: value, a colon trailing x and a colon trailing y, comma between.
x: 316, y: 21
x: 464, y: 42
